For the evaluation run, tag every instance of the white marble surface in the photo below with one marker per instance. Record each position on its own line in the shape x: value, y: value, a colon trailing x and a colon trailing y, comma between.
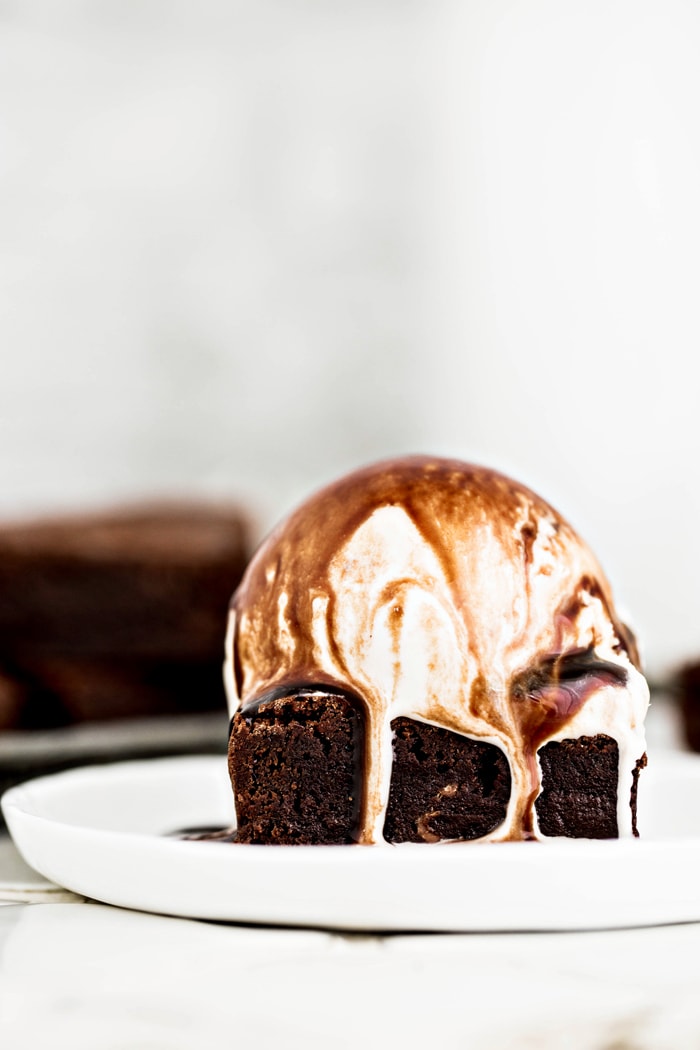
x: 87, y: 977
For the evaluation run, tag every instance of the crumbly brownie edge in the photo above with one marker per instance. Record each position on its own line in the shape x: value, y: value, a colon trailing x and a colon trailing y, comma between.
x: 578, y: 798
x: 295, y: 765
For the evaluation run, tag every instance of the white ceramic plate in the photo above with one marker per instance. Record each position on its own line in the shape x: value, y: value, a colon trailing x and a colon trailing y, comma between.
x: 102, y: 832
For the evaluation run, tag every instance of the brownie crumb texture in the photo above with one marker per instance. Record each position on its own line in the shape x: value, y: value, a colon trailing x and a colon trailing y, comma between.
x: 579, y: 788
x: 444, y: 785
x: 295, y: 764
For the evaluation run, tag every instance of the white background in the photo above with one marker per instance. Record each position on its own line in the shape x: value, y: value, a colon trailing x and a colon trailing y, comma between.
x: 247, y: 246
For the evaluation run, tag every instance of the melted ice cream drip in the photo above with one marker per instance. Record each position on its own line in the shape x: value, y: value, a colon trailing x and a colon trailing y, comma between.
x: 447, y: 593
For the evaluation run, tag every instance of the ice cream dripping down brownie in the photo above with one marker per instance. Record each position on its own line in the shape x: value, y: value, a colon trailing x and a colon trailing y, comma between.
x: 426, y: 651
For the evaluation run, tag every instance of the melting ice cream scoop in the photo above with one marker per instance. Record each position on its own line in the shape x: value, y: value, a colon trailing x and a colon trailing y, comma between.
x: 449, y: 594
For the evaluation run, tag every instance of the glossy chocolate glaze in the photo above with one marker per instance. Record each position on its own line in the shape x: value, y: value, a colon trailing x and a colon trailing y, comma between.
x: 445, y: 592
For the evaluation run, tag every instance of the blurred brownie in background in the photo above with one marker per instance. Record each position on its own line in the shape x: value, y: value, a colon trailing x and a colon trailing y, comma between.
x: 118, y: 614
x: 688, y: 690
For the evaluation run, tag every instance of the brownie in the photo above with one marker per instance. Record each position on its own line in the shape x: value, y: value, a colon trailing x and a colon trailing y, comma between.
x: 295, y: 764
x: 116, y: 614
x: 579, y: 788
x: 688, y: 690
x: 444, y: 785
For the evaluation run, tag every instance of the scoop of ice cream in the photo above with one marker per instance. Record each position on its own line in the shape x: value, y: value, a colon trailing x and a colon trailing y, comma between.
x: 447, y: 593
